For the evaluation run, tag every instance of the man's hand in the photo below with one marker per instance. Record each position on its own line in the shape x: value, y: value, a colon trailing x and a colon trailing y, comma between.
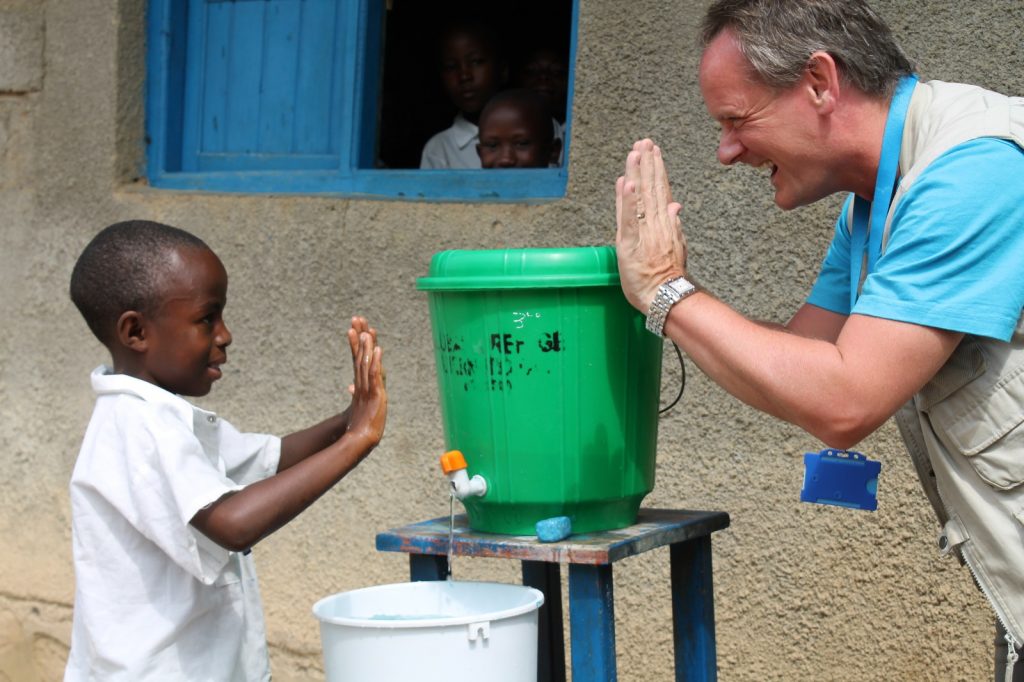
x: 649, y: 242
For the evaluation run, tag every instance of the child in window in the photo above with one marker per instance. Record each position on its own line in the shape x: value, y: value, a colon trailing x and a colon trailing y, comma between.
x: 167, y: 499
x: 472, y: 70
x: 518, y: 131
x: 545, y: 70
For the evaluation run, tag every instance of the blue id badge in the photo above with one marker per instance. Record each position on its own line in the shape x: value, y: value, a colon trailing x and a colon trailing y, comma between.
x: 841, y: 477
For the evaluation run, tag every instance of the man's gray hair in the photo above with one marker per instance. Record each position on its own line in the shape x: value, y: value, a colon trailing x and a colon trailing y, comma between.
x: 778, y: 37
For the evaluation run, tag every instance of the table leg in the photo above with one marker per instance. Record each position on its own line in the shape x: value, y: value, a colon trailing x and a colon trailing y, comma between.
x: 693, y: 611
x: 546, y: 577
x: 428, y: 567
x: 592, y: 623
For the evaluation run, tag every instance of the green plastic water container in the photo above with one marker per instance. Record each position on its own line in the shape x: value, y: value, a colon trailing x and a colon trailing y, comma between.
x: 549, y: 385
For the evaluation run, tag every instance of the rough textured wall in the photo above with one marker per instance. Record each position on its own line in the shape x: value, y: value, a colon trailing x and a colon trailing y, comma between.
x: 802, y: 591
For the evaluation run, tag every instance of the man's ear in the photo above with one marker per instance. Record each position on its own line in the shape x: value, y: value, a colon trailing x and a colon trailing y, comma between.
x: 821, y: 79
x: 131, y: 331
x: 556, y: 149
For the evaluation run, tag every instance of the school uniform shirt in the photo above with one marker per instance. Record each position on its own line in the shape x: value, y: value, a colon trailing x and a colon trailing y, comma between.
x: 155, y: 599
x: 453, y: 147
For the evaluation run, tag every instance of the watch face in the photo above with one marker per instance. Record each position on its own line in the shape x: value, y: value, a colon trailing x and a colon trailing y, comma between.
x: 680, y: 285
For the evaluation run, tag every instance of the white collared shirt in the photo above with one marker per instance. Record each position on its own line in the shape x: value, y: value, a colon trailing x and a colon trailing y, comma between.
x: 155, y: 599
x: 453, y: 147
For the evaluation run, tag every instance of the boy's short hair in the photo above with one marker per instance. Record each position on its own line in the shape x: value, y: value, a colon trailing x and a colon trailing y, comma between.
x: 122, y: 269
x: 476, y: 26
x: 529, y: 103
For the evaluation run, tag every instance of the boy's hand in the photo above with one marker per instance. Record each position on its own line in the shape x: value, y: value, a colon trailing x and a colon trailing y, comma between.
x: 368, y: 411
x: 360, y: 325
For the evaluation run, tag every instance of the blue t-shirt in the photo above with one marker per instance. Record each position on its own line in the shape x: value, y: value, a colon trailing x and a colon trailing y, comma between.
x: 955, y: 255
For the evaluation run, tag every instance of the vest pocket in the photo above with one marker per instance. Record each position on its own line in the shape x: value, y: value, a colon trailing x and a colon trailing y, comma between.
x: 982, y: 418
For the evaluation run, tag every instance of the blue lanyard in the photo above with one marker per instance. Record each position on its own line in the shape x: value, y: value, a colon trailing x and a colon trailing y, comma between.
x: 869, y: 217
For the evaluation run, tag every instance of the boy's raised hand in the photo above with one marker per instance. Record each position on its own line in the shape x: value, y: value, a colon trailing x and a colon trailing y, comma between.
x: 312, y: 460
x: 368, y: 412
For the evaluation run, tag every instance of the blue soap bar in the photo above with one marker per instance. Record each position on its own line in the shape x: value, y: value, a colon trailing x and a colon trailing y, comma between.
x: 554, y: 529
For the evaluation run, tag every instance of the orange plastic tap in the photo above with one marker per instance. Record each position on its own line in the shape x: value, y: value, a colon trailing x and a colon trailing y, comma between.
x: 453, y: 463
x: 453, y: 460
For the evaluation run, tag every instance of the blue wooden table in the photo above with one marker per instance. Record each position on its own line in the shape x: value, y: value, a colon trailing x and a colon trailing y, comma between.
x: 591, y: 600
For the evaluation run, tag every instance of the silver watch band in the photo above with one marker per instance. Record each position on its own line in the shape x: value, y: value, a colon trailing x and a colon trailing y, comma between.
x: 669, y: 293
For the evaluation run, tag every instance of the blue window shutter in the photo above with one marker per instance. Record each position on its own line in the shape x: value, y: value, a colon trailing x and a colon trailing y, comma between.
x: 263, y: 85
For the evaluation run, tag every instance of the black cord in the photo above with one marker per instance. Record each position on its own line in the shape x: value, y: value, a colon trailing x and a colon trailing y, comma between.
x: 682, y: 380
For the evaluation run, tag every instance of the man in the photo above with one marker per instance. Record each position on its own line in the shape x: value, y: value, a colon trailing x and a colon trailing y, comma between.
x: 918, y: 302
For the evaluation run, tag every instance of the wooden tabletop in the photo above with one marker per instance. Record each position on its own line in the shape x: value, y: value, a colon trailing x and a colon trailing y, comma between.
x: 654, y: 528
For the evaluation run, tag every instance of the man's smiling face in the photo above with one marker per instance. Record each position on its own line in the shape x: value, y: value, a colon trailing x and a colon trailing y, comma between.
x: 779, y: 130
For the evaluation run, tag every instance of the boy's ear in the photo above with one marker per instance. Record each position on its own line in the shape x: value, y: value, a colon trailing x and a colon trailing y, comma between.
x: 556, y: 149
x: 131, y: 331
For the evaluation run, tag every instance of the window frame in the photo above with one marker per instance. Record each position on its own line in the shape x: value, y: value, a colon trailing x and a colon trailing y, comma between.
x: 361, y: 63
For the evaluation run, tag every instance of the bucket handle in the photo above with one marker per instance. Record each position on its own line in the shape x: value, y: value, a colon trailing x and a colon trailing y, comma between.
x: 480, y: 630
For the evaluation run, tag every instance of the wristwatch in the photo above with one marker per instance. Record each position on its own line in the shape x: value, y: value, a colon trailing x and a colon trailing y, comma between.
x: 669, y: 293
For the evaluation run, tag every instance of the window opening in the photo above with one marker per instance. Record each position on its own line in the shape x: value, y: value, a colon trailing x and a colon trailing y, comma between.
x: 335, y: 96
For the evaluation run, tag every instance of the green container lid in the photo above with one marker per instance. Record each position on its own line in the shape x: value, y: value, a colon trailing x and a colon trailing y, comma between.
x: 464, y: 270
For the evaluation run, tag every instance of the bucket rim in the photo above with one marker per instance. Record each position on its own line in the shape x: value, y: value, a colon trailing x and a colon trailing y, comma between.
x: 417, y: 623
x: 521, y: 268
x: 444, y: 283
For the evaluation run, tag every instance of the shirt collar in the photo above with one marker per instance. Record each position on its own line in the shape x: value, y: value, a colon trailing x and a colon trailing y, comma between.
x: 464, y: 132
x: 106, y: 382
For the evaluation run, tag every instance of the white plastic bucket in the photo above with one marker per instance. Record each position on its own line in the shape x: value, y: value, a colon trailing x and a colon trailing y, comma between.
x: 431, y: 631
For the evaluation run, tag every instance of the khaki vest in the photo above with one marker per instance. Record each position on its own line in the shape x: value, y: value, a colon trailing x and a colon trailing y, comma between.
x: 965, y: 428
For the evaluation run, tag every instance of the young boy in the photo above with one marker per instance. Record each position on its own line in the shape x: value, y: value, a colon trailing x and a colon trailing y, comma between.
x: 517, y: 131
x: 472, y: 70
x: 167, y: 499
x: 543, y: 68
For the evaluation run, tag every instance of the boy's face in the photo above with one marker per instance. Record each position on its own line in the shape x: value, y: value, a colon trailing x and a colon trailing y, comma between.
x: 186, y: 337
x: 469, y: 71
x: 545, y: 72
x: 511, y: 139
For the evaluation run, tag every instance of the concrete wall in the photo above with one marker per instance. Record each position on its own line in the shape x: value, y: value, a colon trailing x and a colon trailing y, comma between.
x: 802, y: 591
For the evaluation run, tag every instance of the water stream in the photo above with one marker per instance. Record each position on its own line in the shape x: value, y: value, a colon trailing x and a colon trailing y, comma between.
x: 451, y: 531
